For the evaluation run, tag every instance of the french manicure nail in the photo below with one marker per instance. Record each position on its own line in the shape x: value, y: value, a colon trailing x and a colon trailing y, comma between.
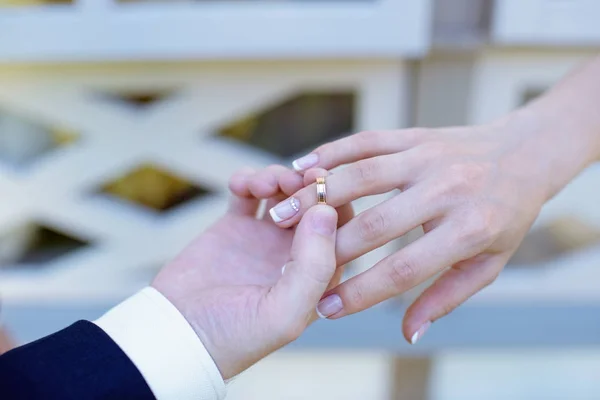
x: 305, y: 162
x: 285, y: 210
x: 419, y: 333
x: 329, y: 306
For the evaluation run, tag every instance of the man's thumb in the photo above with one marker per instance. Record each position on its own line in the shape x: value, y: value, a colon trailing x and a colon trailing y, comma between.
x: 312, y: 263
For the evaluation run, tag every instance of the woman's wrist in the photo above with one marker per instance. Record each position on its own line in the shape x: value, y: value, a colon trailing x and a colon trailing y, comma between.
x: 566, y: 124
x: 555, y: 146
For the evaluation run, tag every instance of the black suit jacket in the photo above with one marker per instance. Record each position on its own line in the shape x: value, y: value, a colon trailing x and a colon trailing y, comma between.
x: 78, y: 363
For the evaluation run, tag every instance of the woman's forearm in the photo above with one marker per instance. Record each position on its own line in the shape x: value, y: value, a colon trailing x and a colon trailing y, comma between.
x: 564, y: 126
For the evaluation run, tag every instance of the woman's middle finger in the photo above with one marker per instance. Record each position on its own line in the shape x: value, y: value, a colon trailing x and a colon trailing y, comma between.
x: 385, y: 222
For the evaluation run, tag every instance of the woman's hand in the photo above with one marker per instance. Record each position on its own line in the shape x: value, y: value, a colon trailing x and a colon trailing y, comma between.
x: 475, y: 190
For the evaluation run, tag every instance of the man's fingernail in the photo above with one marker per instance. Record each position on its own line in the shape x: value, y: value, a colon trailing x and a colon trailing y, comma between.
x: 305, y: 162
x: 419, y: 334
x: 285, y: 210
x: 329, y: 306
x: 324, y: 220
x: 282, y: 270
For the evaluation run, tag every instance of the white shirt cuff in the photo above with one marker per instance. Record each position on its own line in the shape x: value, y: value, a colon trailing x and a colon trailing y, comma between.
x: 164, y: 348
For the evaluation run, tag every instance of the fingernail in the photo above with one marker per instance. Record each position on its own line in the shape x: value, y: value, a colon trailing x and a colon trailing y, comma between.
x: 282, y: 270
x: 329, y: 306
x: 285, y: 210
x: 419, y: 334
x: 324, y: 220
x: 305, y: 162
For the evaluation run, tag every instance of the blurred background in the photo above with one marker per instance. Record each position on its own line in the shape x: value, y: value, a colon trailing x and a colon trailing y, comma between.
x: 121, y: 122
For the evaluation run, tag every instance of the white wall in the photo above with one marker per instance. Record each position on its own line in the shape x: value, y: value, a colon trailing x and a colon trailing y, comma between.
x: 502, y: 76
x: 518, y: 374
x: 317, y: 376
x: 176, y: 133
x: 101, y: 31
x: 548, y: 23
x: 444, y: 86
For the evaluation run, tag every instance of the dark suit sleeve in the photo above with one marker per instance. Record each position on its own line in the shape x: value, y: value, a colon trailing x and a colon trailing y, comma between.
x: 80, y: 362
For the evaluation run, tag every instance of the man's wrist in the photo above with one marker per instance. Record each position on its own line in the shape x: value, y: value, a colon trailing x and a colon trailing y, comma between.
x: 164, y: 347
x: 200, y: 321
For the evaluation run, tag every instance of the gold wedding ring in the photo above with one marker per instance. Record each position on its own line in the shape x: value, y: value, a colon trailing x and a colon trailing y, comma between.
x: 321, y: 191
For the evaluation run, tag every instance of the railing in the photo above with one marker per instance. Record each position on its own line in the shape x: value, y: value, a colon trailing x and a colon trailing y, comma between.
x: 461, y: 23
x: 546, y: 22
x: 73, y: 195
x: 106, y: 30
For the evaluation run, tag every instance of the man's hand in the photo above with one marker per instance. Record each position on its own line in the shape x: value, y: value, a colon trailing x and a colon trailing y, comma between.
x: 229, y: 284
x: 6, y: 343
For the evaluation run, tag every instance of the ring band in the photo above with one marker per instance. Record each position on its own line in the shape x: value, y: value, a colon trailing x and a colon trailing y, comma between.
x: 321, y: 191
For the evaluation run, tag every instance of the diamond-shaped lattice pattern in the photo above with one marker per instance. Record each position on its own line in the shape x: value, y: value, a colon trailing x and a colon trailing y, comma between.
x: 154, y: 188
x: 561, y: 237
x: 145, y: 176
x: 139, y: 100
x: 34, y: 246
x: 21, y: 3
x: 214, y: 1
x: 23, y: 140
x: 296, y: 125
x: 147, y: 274
x: 531, y: 94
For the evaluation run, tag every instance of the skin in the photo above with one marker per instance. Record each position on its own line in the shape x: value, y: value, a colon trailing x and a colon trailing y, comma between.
x: 229, y: 285
x: 6, y: 343
x: 475, y: 190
